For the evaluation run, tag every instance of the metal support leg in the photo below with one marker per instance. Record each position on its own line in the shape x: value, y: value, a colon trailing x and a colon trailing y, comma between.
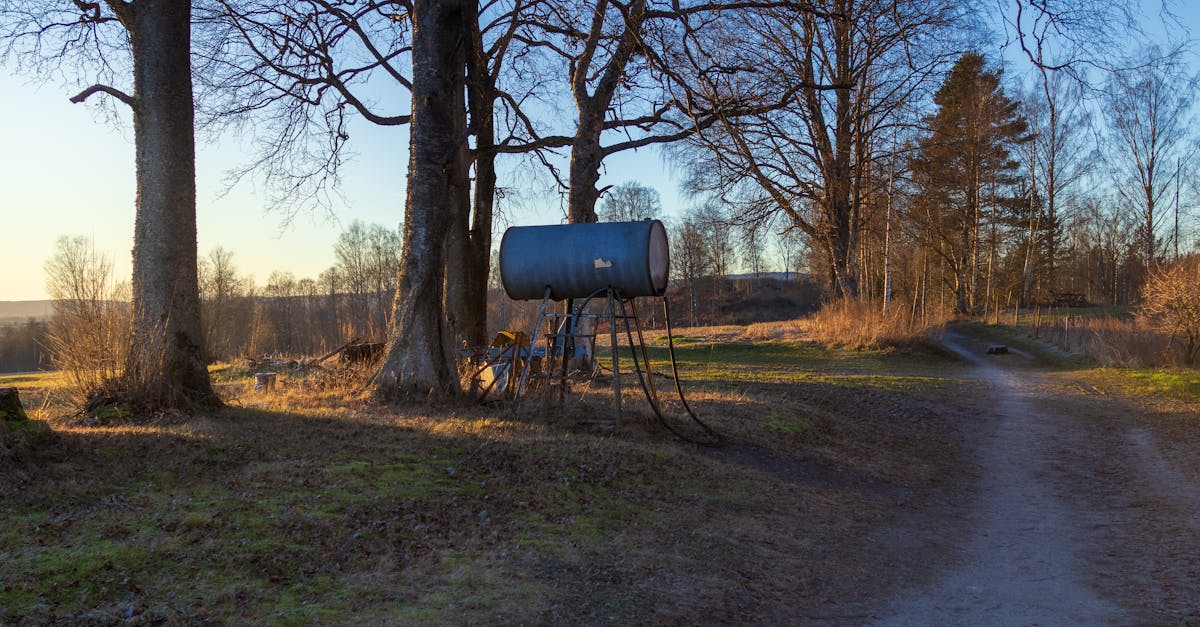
x: 537, y: 327
x: 616, y: 363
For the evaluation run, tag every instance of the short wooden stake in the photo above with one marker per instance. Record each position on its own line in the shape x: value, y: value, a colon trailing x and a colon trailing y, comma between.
x: 264, y: 381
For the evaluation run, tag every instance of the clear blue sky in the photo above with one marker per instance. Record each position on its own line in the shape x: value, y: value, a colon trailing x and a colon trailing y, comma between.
x: 65, y: 171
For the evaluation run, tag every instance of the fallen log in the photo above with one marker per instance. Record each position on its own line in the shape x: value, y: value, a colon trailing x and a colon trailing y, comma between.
x: 363, y: 353
x: 333, y: 352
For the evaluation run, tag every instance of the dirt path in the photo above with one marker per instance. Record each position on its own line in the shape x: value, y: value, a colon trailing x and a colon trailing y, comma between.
x: 1062, y: 528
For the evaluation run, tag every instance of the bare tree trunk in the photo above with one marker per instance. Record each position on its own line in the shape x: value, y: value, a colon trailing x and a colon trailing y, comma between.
x: 457, y: 296
x: 586, y: 156
x: 166, y: 366
x: 419, y: 359
x: 1027, y: 269
x: 481, y: 94
x: 586, y: 152
x: 1149, y: 216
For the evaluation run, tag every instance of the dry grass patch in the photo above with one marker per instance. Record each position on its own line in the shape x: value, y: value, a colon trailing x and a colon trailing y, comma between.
x: 1107, y: 340
x: 857, y: 325
x: 787, y: 330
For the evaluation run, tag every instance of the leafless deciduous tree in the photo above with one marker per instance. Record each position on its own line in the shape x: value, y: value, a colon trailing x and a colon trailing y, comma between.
x: 1061, y: 157
x: 1070, y: 35
x: 223, y: 302
x: 368, y: 266
x: 630, y: 201
x: 689, y: 261
x: 419, y: 358
x: 165, y: 366
x: 631, y: 69
x: 290, y: 76
x: 1171, y: 298
x: 88, y: 335
x: 1148, y: 110
x: 853, y: 66
x: 296, y: 74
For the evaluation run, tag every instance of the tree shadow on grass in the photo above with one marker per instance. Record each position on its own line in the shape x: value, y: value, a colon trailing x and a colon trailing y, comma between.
x: 445, y: 513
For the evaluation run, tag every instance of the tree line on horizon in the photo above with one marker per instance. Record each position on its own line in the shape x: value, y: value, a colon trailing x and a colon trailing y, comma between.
x: 292, y: 316
x: 873, y: 127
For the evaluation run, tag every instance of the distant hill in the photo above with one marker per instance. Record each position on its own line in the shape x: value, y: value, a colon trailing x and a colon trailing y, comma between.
x: 21, y: 310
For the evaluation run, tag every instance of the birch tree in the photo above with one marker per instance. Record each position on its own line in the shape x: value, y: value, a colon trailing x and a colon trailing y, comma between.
x: 1148, y: 110
x: 853, y: 66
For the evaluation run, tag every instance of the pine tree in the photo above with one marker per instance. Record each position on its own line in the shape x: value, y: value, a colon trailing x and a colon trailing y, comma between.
x: 962, y: 170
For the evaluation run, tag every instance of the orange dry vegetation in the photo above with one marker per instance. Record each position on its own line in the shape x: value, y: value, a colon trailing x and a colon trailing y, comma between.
x: 857, y: 325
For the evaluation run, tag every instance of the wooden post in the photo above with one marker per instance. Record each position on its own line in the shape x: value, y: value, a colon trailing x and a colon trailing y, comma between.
x: 10, y: 405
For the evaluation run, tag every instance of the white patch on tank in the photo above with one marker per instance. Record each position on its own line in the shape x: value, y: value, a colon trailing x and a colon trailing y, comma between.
x: 602, y: 263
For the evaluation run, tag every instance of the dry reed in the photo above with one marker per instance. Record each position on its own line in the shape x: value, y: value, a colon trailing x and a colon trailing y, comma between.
x: 858, y: 325
x: 1111, y: 341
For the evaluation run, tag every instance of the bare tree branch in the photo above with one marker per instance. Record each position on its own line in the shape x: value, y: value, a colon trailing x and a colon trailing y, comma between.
x: 112, y: 91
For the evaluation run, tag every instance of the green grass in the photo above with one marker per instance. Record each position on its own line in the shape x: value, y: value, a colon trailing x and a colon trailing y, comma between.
x: 1172, y: 383
x: 788, y: 422
x: 1021, y: 338
x: 1176, y: 383
x: 315, y: 511
x: 722, y: 365
x: 678, y: 339
x: 1053, y: 314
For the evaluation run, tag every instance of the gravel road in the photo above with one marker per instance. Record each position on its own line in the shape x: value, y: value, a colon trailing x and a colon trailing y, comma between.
x: 1079, y: 516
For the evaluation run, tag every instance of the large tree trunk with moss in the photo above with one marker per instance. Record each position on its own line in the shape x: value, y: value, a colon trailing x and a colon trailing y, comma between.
x: 419, y: 359
x: 166, y: 365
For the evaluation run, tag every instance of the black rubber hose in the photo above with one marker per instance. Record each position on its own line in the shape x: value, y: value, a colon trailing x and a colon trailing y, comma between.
x: 717, y: 440
x: 720, y: 440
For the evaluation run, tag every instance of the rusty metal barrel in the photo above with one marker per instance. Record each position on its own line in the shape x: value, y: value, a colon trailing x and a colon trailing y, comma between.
x: 577, y: 260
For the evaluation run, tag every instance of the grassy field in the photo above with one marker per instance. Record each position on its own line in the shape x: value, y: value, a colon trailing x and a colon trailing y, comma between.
x: 307, y: 505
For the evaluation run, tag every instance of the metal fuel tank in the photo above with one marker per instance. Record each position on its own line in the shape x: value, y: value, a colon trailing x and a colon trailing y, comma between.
x: 576, y: 260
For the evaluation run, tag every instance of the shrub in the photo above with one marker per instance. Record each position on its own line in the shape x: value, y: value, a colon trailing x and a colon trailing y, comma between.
x: 1171, y: 301
x: 88, y: 335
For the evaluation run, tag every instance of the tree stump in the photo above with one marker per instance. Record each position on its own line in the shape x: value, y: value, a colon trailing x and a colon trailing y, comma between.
x: 264, y: 381
x: 10, y: 405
